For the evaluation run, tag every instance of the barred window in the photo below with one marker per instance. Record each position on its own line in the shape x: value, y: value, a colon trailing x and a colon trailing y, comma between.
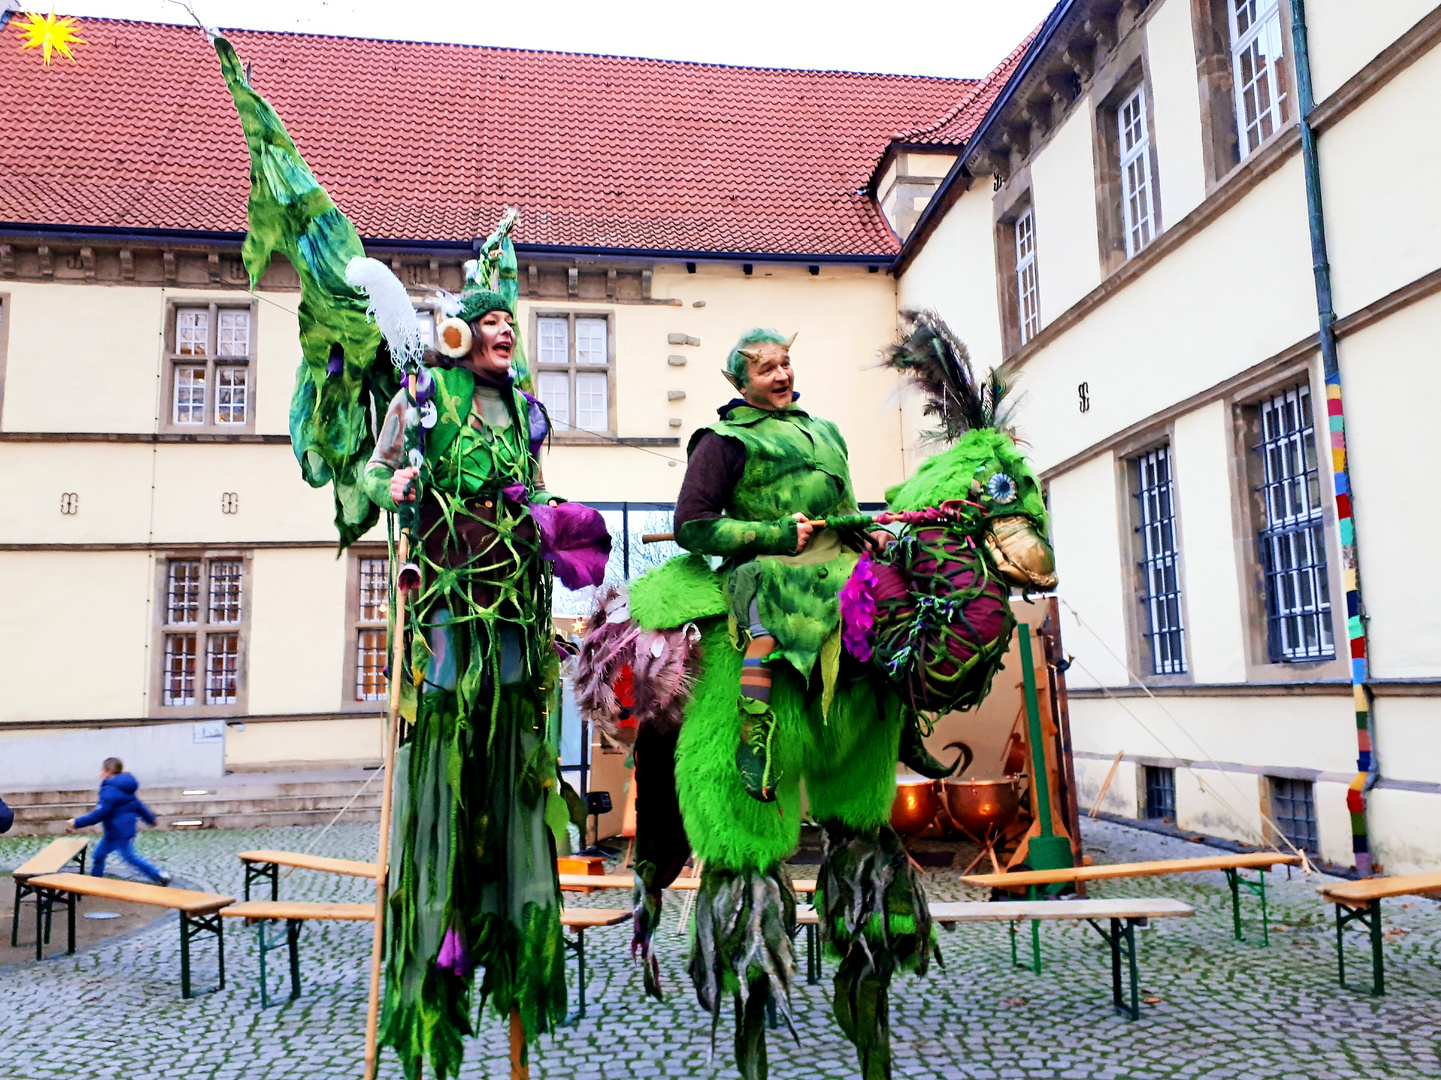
x: 370, y: 608
x: 1160, y: 793
x: 1292, y: 539
x: 1159, y: 564
x: 574, y: 370
x: 1293, y: 809
x: 202, y: 614
x: 210, y: 350
x: 1258, y: 70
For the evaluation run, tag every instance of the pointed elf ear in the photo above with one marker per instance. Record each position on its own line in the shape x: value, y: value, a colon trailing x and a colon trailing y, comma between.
x: 735, y: 382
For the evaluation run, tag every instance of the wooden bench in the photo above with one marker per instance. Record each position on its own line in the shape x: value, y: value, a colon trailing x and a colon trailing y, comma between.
x: 1124, y: 916
x: 198, y: 910
x: 587, y: 882
x: 265, y: 866
x: 51, y: 859
x: 1233, y: 865
x: 293, y: 912
x: 1361, y: 901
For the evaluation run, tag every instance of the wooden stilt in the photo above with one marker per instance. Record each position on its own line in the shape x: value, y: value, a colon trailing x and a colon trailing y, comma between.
x: 519, y: 1067
x: 382, y: 862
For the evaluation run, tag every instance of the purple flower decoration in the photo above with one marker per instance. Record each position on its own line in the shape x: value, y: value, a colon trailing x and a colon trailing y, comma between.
x: 858, y: 609
x: 573, y: 539
x: 408, y: 580
x: 453, y: 958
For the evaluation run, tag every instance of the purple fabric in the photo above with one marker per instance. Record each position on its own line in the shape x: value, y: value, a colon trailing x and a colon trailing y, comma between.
x: 408, y: 580
x: 573, y: 539
x: 858, y: 609
x: 539, y: 422
x: 453, y: 958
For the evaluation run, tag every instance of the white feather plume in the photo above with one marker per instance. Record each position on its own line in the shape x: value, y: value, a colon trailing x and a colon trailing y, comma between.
x: 389, y: 306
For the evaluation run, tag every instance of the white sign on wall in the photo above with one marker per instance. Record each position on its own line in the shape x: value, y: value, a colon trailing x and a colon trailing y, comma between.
x: 208, y: 731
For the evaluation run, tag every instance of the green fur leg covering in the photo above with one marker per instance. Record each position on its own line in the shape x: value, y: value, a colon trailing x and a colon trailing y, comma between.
x: 850, y: 769
x: 744, y: 921
x: 727, y: 828
x: 873, y: 915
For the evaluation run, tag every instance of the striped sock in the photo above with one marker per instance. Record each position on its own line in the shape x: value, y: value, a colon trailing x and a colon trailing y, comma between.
x: 755, y: 674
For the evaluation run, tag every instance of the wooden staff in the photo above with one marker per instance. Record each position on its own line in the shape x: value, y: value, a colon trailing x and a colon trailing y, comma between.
x: 519, y: 1068
x: 656, y: 538
x: 382, y: 862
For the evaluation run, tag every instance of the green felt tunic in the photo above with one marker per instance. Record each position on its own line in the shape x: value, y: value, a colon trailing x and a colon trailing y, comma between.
x: 795, y: 463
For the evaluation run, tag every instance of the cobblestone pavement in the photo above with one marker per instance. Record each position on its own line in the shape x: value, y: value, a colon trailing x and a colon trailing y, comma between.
x: 1224, y: 1008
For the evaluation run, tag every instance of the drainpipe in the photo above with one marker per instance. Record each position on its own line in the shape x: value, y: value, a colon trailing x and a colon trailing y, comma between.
x: 1367, y: 771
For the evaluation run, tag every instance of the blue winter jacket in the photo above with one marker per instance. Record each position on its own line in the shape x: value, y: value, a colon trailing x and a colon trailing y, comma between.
x: 118, y: 808
x: 7, y: 817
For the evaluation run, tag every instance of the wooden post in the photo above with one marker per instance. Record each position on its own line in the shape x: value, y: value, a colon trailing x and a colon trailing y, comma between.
x: 519, y: 1068
x: 382, y: 862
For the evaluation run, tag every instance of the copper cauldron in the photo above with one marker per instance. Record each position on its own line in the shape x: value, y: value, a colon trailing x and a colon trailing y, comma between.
x: 916, y: 805
x: 980, y: 806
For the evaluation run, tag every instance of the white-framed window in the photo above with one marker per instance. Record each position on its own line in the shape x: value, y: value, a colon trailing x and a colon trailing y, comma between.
x: 1257, y: 69
x: 425, y: 322
x: 202, y: 625
x: 210, y: 384
x: 574, y: 367
x: 372, y: 605
x: 1137, y: 204
x: 1028, y: 305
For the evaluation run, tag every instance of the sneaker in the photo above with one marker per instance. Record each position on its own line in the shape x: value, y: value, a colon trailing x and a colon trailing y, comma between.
x: 753, y: 754
x: 165, y: 877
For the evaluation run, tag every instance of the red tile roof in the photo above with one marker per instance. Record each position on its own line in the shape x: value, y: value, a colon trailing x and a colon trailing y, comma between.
x: 430, y: 142
x: 957, y: 126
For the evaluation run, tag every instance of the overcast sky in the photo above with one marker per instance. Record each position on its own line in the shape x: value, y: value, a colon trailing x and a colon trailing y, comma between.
x: 963, y: 38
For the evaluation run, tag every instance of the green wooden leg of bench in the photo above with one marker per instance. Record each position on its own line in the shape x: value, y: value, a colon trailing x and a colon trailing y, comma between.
x: 70, y: 899
x: 813, y: 958
x: 1124, y: 931
x: 578, y: 947
x: 39, y: 924
x: 193, y: 927
x: 1258, y: 888
x: 292, y: 934
x: 264, y: 948
x: 1369, y: 917
x: 15, y: 917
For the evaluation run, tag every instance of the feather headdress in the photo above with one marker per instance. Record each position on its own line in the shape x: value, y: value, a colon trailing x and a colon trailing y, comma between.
x: 940, y: 364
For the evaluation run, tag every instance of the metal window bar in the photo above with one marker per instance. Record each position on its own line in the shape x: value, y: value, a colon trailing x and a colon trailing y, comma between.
x: 1258, y: 73
x: 1136, y: 205
x: 374, y: 589
x: 1027, y: 288
x: 178, y: 677
x: 222, y: 667
x: 1160, y: 793
x: 1292, y: 542
x: 1293, y: 809
x: 1160, y: 564
x: 182, y: 591
x: 371, y: 641
x: 225, y: 579
x: 370, y: 658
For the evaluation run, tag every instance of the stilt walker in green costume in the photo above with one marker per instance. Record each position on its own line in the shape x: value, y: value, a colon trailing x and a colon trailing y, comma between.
x: 473, y: 880
x: 811, y: 657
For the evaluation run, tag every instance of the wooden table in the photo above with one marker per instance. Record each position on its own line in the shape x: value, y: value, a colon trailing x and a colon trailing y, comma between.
x: 198, y: 910
x: 265, y: 865
x: 1361, y: 901
x: 51, y: 859
x: 293, y: 912
x: 1233, y: 865
x: 626, y: 881
x: 580, y: 920
x: 1123, y: 915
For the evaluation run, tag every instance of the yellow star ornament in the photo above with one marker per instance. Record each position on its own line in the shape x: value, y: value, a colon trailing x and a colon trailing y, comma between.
x: 51, y: 34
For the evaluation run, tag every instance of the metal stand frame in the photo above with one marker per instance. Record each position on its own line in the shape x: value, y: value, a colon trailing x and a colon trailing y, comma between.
x: 1123, y: 930
x: 192, y: 926
x: 22, y: 890
x: 263, y: 871
x: 291, y: 940
x: 578, y: 947
x: 1258, y: 887
x: 1368, y: 916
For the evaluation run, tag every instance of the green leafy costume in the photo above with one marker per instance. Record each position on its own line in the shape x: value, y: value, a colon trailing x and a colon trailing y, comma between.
x: 473, y: 873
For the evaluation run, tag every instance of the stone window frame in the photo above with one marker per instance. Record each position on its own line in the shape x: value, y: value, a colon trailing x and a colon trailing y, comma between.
x: 1126, y: 69
x: 354, y: 624
x: 174, y: 361
x: 201, y: 628
x: 1249, y: 514
x: 1138, y: 657
x: 1008, y: 211
x: 573, y: 434
x: 1220, y: 136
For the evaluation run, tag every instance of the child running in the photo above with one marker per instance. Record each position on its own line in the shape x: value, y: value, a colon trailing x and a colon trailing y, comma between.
x: 117, y: 810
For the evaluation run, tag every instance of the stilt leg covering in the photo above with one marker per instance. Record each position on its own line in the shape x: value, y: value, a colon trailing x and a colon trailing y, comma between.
x: 873, y: 916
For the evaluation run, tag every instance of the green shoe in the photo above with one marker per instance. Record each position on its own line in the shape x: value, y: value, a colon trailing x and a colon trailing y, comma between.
x: 753, y: 754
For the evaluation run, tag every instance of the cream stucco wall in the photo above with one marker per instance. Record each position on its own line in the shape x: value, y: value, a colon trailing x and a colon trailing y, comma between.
x: 346, y: 740
x: 297, y: 631
x: 75, y: 634
x: 1346, y: 35
x: 1064, y: 193
x: 1176, y: 109
x: 1201, y: 451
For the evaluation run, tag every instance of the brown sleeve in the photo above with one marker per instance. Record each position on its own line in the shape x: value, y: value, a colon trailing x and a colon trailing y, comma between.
x: 711, y: 474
